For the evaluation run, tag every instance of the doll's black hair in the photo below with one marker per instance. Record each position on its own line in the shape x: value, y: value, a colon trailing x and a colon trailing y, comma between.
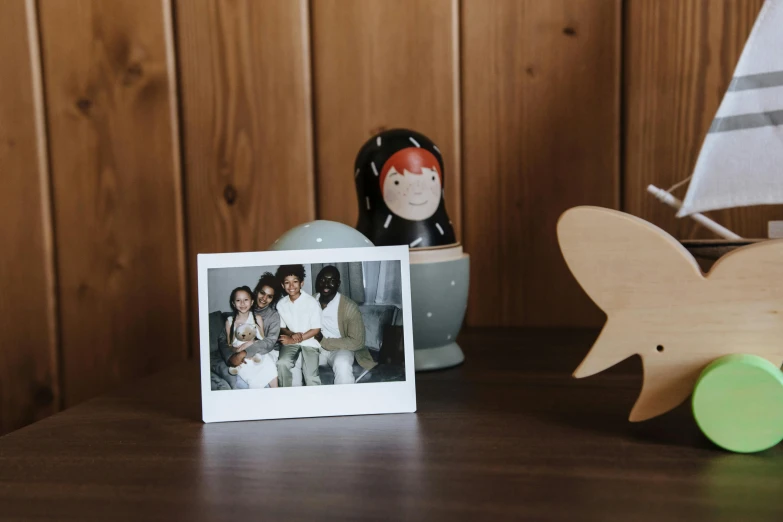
x: 376, y: 221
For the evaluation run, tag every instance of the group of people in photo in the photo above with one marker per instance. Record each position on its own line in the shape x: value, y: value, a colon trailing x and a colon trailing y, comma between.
x: 277, y: 332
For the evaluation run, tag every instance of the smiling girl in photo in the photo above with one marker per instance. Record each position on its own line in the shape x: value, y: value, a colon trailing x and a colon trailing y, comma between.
x: 243, y: 329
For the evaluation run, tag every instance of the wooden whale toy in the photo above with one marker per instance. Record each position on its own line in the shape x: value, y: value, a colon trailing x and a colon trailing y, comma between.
x: 717, y: 335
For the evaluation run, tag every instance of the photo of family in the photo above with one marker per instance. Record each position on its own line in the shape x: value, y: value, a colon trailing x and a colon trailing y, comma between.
x: 310, y: 324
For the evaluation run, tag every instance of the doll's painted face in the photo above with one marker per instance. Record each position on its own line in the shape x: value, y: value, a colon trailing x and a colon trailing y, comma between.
x: 411, y: 184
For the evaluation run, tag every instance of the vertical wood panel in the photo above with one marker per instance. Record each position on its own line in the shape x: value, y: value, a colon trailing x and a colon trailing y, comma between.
x: 679, y: 60
x: 29, y: 387
x: 245, y: 86
x: 117, y: 194
x: 541, y: 127
x: 383, y: 65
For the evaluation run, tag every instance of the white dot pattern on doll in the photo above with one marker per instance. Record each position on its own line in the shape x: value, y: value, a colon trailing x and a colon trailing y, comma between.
x: 416, y: 242
x: 436, y: 148
x: 378, y: 141
x: 318, y: 240
x: 414, y: 142
x: 388, y: 220
x: 374, y: 169
x: 440, y: 229
x: 448, y: 337
x: 356, y: 173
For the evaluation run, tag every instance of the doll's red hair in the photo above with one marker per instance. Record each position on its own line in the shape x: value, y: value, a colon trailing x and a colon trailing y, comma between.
x: 412, y: 159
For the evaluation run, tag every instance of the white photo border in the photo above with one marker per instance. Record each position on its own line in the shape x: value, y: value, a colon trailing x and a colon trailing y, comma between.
x: 305, y: 401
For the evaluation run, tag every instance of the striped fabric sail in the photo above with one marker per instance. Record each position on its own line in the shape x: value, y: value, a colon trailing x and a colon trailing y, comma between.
x: 741, y: 161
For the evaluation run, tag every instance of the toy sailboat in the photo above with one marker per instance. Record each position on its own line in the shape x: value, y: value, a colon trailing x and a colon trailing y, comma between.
x: 741, y: 160
x: 717, y: 336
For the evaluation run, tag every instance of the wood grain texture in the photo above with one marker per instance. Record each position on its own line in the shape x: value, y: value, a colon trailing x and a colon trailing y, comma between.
x: 383, y: 65
x: 29, y: 377
x: 517, y: 441
x: 541, y: 126
x: 661, y: 306
x: 245, y: 86
x: 247, y: 124
x: 679, y: 59
x: 116, y: 189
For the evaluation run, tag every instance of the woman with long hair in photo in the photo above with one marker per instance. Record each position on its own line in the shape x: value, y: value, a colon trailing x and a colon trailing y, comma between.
x: 267, y: 294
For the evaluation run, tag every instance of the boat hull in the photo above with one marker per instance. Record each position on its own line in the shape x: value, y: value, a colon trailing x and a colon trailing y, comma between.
x: 707, y: 251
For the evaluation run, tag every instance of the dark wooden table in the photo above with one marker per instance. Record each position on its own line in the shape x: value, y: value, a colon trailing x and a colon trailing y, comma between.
x: 507, y: 435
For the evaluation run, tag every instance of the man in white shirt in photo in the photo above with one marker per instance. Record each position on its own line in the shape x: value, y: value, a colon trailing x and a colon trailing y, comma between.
x: 342, y: 329
x: 300, y: 322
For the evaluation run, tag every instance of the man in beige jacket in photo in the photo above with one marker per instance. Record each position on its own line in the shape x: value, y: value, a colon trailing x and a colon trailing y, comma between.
x: 342, y: 329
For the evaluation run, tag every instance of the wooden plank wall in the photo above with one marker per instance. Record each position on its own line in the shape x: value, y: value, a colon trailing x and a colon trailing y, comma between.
x: 541, y: 126
x: 247, y: 123
x: 137, y: 133
x: 29, y: 384
x: 116, y: 185
x: 383, y: 65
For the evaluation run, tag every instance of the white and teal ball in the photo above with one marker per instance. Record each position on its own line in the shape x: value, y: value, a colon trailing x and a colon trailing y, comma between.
x: 321, y: 234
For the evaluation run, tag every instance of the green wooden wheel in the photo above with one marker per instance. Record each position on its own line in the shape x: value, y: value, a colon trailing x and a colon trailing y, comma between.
x: 738, y: 403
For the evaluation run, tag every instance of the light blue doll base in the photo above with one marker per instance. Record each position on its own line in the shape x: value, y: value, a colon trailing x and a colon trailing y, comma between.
x: 439, y: 297
x: 438, y: 358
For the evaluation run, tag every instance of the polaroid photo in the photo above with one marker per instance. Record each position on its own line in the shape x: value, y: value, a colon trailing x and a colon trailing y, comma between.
x: 305, y: 333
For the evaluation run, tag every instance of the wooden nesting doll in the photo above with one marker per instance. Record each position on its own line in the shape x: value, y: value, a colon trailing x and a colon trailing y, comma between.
x: 400, y: 185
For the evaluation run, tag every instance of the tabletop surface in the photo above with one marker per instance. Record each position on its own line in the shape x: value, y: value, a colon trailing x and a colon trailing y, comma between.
x: 509, y: 434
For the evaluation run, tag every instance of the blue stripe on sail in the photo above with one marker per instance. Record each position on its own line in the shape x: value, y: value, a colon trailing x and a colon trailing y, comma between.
x: 756, y: 81
x: 747, y: 121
